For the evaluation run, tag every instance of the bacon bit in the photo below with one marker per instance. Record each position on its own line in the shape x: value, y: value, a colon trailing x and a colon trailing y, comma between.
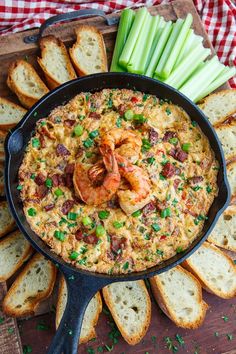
x: 168, y: 170
x: 178, y: 154
x: 68, y: 180
x: 42, y: 141
x: 79, y: 235
x: 40, y: 179
x: 57, y: 180
x: 195, y: 179
x: 169, y: 135
x: 49, y: 207
x: 70, y: 168
x: 176, y: 183
x: 149, y: 208
x: 184, y: 195
x: 42, y: 191
x: 67, y: 206
x: 94, y: 115
x: 91, y: 239
x: 161, y: 205
x: 61, y: 150
x: 134, y: 99
x: 117, y: 244
x: 163, y: 237
x: 188, y: 211
x: 153, y: 136
x: 121, y: 109
x: 69, y: 123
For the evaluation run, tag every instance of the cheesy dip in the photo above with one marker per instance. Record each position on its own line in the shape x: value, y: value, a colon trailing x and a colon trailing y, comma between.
x: 117, y: 181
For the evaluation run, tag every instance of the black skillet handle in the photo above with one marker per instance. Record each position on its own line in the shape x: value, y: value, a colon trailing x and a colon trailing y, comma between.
x: 68, y: 17
x: 80, y: 290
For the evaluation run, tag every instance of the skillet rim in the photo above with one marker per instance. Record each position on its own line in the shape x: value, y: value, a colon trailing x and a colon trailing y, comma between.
x: 45, y: 249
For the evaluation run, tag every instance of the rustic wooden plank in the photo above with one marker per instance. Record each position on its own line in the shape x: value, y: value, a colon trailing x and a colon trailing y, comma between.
x: 10, y: 342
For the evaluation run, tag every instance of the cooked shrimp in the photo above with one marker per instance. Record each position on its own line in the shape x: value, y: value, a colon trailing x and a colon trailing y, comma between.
x: 95, y: 195
x: 140, y: 194
x: 125, y: 142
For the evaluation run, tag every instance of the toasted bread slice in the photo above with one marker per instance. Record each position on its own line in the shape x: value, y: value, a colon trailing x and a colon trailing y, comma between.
x: 231, y: 174
x: 90, y: 317
x: 130, y: 306
x: 24, y: 81
x: 55, y: 61
x: 3, y: 135
x: 2, y: 191
x: 88, y: 54
x: 14, y: 251
x: 7, y: 222
x: 34, y: 284
x: 10, y: 113
x: 214, y: 269
x: 218, y: 106
x: 227, y: 136
x: 187, y: 308
x: 224, y: 233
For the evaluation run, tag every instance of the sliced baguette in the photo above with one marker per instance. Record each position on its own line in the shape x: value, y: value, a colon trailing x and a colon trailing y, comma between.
x: 130, y: 306
x: 3, y: 135
x: 231, y: 174
x: 34, y: 284
x: 7, y: 222
x: 55, y: 61
x: 10, y: 113
x: 88, y: 54
x: 24, y: 81
x: 218, y: 106
x: 224, y: 233
x: 179, y: 295
x: 227, y: 136
x: 2, y: 191
x: 90, y: 317
x: 14, y: 251
x: 214, y: 269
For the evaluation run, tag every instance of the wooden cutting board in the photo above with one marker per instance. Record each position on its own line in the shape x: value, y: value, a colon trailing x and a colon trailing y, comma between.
x: 13, y: 47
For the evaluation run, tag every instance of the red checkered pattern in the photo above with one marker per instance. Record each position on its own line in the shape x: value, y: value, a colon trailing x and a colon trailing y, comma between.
x: 218, y: 17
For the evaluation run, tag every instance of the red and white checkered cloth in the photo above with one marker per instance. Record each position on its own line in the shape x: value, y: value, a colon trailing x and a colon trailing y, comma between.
x: 218, y: 17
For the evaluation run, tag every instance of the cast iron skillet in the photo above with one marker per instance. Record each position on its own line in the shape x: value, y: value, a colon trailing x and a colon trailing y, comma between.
x: 82, y: 285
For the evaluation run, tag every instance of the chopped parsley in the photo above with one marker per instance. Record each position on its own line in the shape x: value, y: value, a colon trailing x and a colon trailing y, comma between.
x: 35, y: 143
x: 32, y: 212
x: 103, y: 214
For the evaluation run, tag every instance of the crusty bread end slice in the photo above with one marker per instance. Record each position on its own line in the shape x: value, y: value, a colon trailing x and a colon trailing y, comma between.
x: 7, y: 222
x: 24, y: 81
x: 214, y: 269
x: 231, y: 174
x: 55, y: 61
x: 3, y: 135
x: 224, y: 233
x: 10, y: 113
x: 218, y: 106
x: 34, y: 284
x: 90, y: 317
x: 227, y: 136
x: 2, y: 191
x: 179, y: 295
x: 14, y: 251
x: 130, y: 306
x: 88, y: 54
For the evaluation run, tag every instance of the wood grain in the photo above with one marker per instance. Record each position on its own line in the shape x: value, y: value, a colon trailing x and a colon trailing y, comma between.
x: 10, y: 342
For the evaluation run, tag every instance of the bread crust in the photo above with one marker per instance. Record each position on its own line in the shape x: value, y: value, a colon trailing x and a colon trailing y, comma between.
x: 77, y: 66
x: 160, y: 299
x: 52, y: 82
x: 92, y: 333
x: 25, y: 99
x: 24, y: 257
x: 137, y: 338
x: 187, y: 265
x: 11, y: 226
x: 34, y: 300
x: 6, y: 126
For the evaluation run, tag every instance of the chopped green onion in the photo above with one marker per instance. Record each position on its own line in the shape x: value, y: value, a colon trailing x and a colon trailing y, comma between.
x: 208, y: 189
x: 32, y: 212
x: 72, y: 216
x: 48, y: 182
x: 129, y: 114
x: 35, y: 143
x: 88, y: 143
x: 59, y: 235
x: 93, y: 134
x: 156, y: 227
x: 100, y: 231
x: 194, y: 123
x: 58, y: 192
x: 151, y: 160
x: 159, y: 252
x: 166, y: 212
x: 136, y: 213
x: 19, y: 187
x: 126, y: 265
x: 173, y: 141
x: 139, y: 118
x: 86, y: 221
x: 78, y: 130
x: 179, y: 249
x: 186, y: 147
x: 74, y: 255
x: 103, y: 214
x: 146, y: 145
x: 117, y: 224
x: 119, y: 122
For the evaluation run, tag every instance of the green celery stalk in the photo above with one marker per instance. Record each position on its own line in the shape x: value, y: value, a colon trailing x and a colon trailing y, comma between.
x: 177, y: 46
x: 201, y: 79
x: 159, y: 49
x: 169, y: 45
x: 187, y: 66
x: 126, y: 20
x: 159, y: 29
x: 223, y: 77
x: 133, y: 36
x: 137, y: 62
